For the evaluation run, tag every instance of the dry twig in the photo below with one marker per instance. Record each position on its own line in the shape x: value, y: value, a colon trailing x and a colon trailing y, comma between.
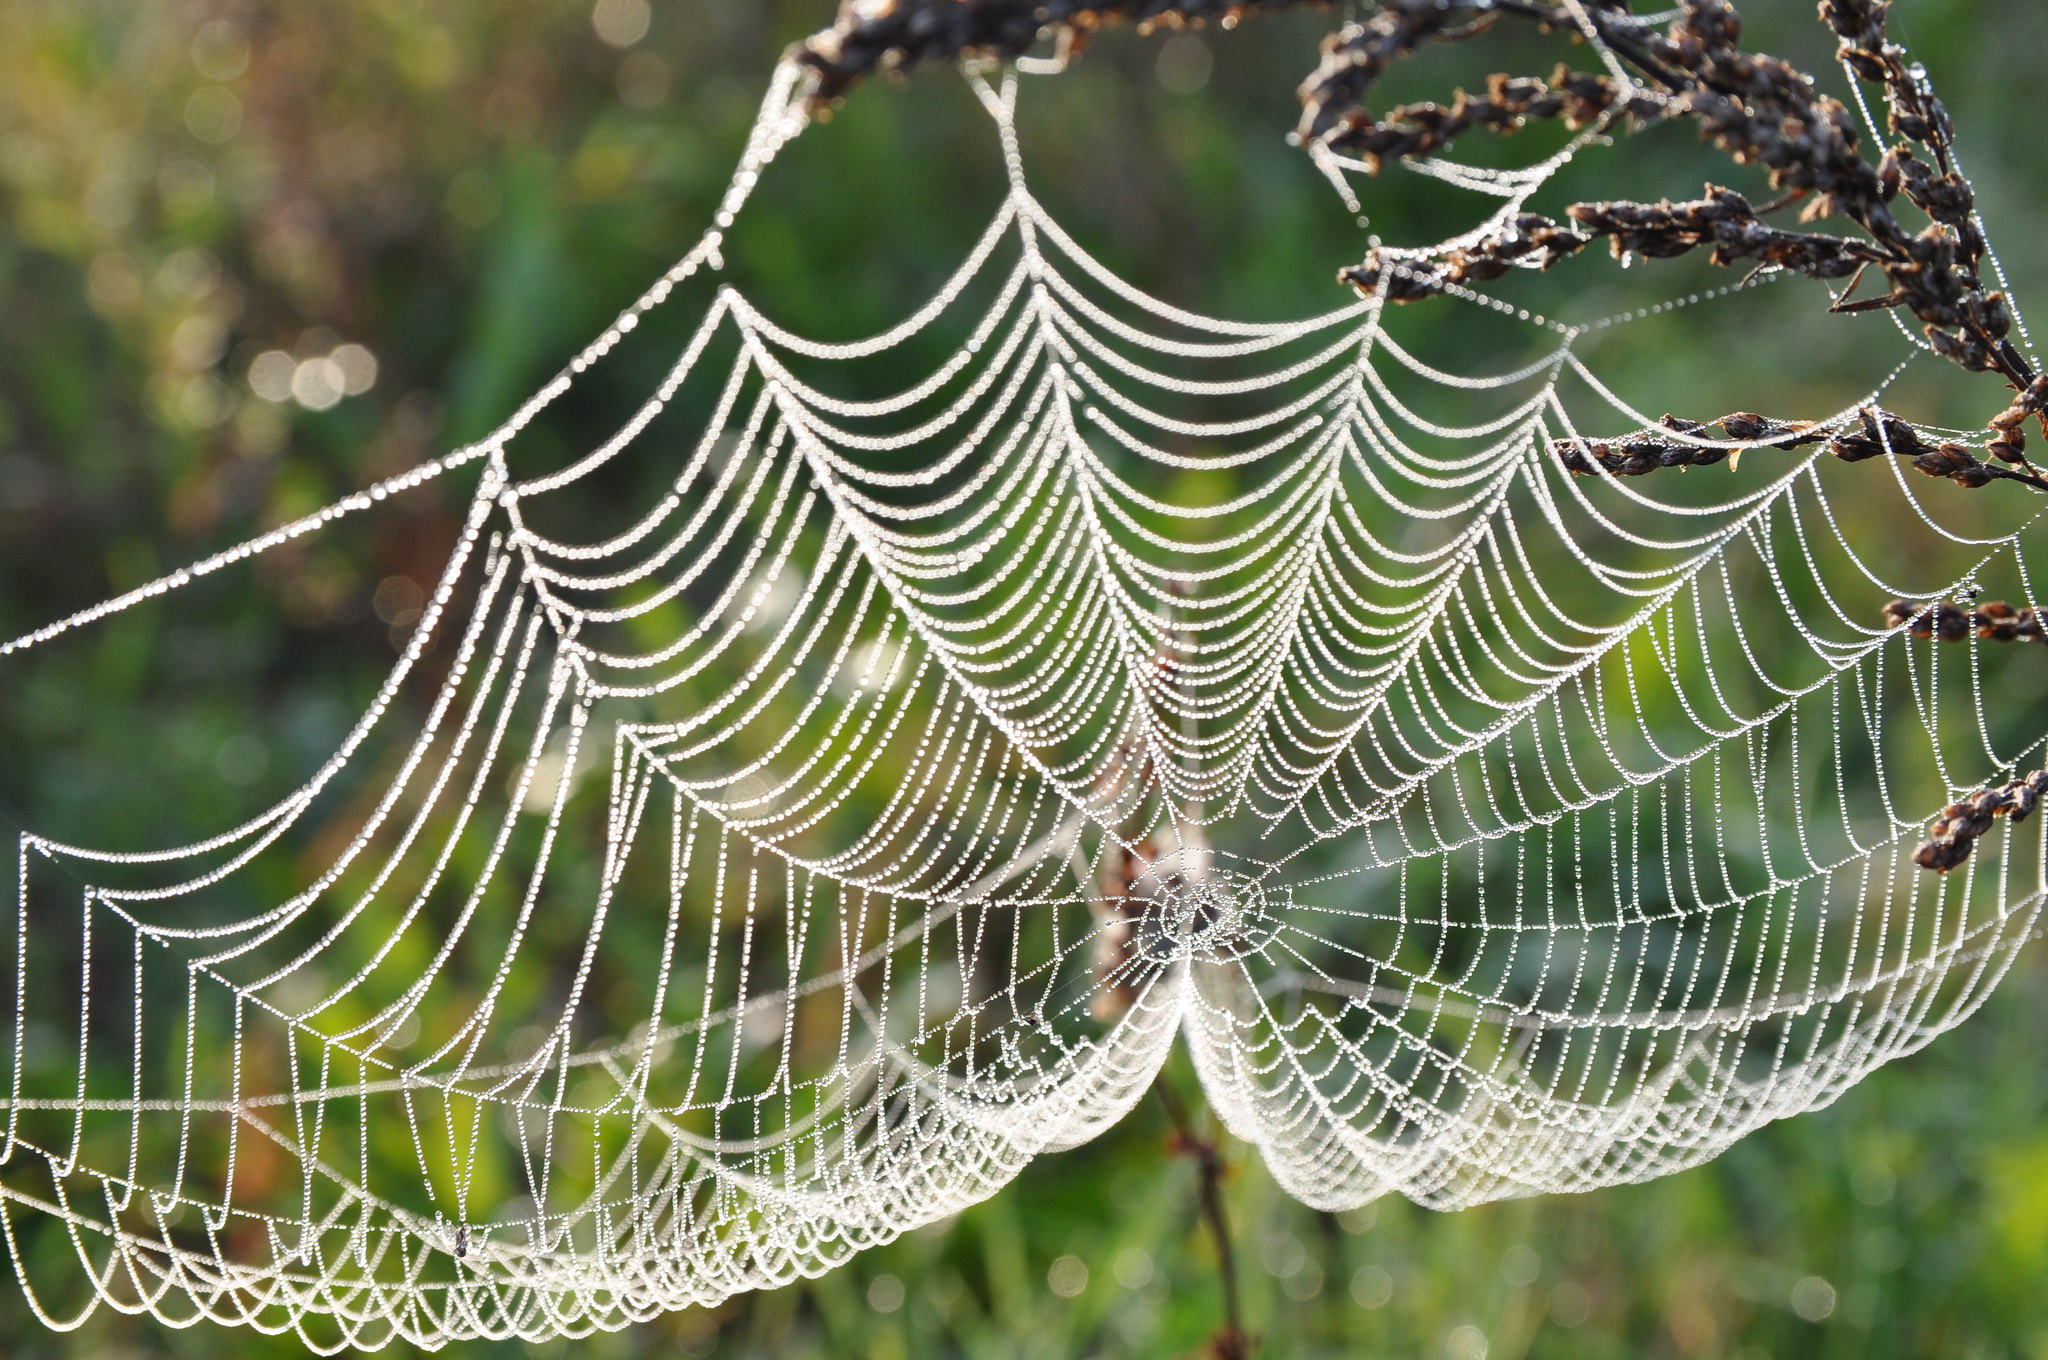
x: 896, y: 35
x: 1955, y: 833
x: 1230, y: 1341
x: 1950, y: 621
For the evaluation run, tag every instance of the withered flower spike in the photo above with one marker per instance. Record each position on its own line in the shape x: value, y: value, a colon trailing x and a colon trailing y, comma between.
x: 1961, y: 824
x: 1777, y: 434
x: 1648, y: 451
x: 2031, y: 401
x: 1879, y: 432
x: 1724, y: 220
x: 1527, y: 241
x: 896, y: 36
x: 1952, y: 621
x: 1357, y: 55
x: 1508, y: 104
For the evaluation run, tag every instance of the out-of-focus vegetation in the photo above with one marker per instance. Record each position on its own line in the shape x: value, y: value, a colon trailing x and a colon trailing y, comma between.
x: 252, y: 258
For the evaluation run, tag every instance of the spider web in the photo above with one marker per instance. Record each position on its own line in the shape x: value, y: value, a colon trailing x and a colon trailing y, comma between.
x: 923, y: 766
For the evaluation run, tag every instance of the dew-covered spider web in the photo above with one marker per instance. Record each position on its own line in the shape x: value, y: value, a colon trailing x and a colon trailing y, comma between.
x: 945, y: 746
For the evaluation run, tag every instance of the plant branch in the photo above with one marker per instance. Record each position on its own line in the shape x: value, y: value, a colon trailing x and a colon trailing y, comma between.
x: 1678, y: 442
x: 1230, y: 1342
x: 1957, y: 830
x: 867, y: 38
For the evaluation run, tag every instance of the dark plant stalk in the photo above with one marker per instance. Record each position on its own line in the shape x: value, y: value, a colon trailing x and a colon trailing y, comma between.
x: 1230, y: 1341
x: 1879, y: 433
x: 1957, y: 830
x: 899, y: 34
x: 1952, y: 621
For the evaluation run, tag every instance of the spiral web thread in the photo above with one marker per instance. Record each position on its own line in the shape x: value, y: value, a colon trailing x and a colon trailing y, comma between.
x: 915, y: 771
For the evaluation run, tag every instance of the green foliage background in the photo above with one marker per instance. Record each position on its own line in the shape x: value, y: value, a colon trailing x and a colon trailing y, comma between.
x: 470, y: 192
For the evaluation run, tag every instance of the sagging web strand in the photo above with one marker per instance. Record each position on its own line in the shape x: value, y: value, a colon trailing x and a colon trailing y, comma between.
x: 918, y: 767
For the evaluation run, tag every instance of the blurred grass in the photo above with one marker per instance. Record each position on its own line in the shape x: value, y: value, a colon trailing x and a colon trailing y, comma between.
x: 469, y: 194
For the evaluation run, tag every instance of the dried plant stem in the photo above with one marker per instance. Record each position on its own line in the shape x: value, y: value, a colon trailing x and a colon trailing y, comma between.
x: 1677, y: 442
x: 1230, y: 1341
x: 1953, y: 621
x: 867, y: 38
x: 1956, y: 832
